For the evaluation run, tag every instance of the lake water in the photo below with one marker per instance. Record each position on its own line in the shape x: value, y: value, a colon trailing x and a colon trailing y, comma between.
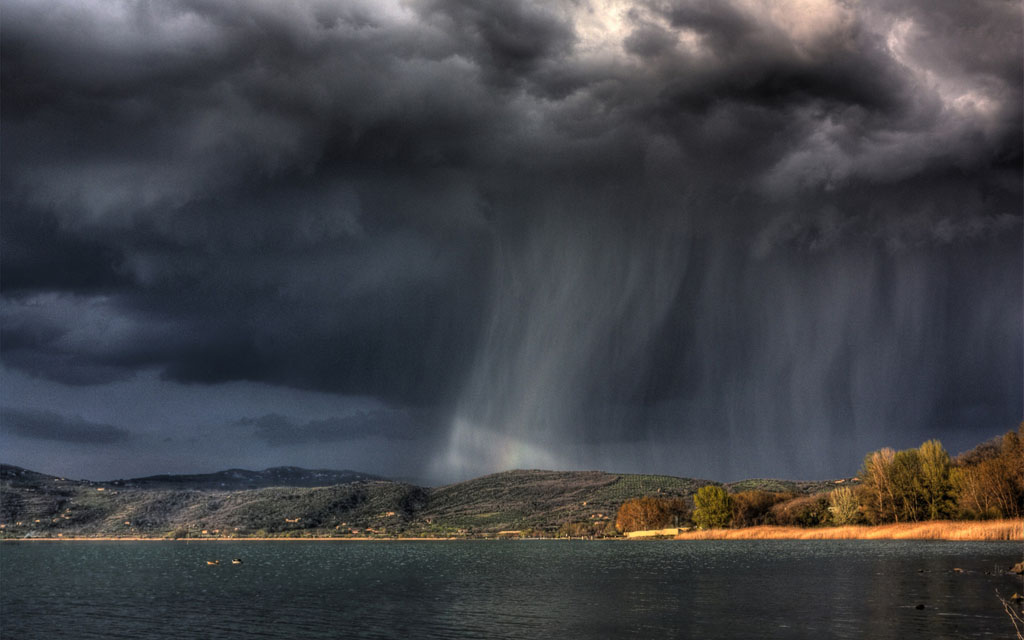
x: 506, y: 589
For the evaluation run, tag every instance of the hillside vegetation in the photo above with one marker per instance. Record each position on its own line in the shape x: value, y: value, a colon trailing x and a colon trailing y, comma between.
x: 36, y: 504
x: 537, y: 502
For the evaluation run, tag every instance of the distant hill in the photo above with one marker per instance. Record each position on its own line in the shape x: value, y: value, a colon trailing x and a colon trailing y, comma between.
x: 11, y: 473
x: 545, y: 499
x: 227, y: 501
x: 293, y: 501
x: 235, y: 479
x: 786, y: 486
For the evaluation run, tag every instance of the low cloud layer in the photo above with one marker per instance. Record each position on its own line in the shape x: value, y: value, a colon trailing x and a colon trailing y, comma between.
x: 48, y: 425
x: 572, y: 230
x: 278, y: 430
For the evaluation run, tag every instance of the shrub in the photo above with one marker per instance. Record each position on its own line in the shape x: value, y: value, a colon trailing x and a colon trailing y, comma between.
x: 583, y: 529
x: 804, y: 511
x: 752, y: 508
x: 843, y: 507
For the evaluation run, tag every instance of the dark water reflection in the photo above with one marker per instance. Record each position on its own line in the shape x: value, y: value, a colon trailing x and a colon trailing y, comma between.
x: 508, y: 589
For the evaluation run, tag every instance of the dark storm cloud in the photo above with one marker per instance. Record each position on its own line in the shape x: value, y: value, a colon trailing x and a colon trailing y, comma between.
x: 508, y: 41
x: 277, y: 430
x: 245, y: 198
x: 72, y: 261
x: 761, y: 65
x: 607, y: 214
x: 47, y: 425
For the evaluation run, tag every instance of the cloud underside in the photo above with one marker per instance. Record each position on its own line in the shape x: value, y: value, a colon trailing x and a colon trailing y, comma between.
x: 48, y: 425
x: 623, y: 217
x: 277, y: 430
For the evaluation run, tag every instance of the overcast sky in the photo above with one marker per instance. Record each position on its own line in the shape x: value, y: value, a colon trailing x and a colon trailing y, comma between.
x: 433, y: 239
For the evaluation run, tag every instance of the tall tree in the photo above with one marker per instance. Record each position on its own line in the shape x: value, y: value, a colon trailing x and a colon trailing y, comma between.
x: 877, y: 494
x: 936, y: 486
x: 908, y: 494
x: 989, y: 480
x: 713, y: 507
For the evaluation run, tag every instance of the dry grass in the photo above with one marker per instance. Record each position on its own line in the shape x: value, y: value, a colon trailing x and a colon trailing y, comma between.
x: 938, y: 530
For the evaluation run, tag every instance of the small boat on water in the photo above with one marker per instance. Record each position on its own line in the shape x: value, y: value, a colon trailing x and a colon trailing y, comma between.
x: 212, y: 562
x: 236, y: 561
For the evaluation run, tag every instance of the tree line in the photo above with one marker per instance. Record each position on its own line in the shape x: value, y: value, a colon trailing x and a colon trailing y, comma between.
x: 926, y: 484
x: 911, y: 485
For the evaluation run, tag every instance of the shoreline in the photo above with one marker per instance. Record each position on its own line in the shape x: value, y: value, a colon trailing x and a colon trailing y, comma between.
x: 238, y: 539
x: 968, y: 530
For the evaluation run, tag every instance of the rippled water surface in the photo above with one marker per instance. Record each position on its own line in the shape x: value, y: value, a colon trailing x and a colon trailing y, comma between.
x: 506, y: 589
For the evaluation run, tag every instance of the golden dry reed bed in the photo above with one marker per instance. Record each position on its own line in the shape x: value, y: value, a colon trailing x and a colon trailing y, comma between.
x: 935, y: 530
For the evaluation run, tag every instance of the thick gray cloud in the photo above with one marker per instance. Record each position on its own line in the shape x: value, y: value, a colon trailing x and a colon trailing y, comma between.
x: 781, y: 230
x: 48, y: 425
